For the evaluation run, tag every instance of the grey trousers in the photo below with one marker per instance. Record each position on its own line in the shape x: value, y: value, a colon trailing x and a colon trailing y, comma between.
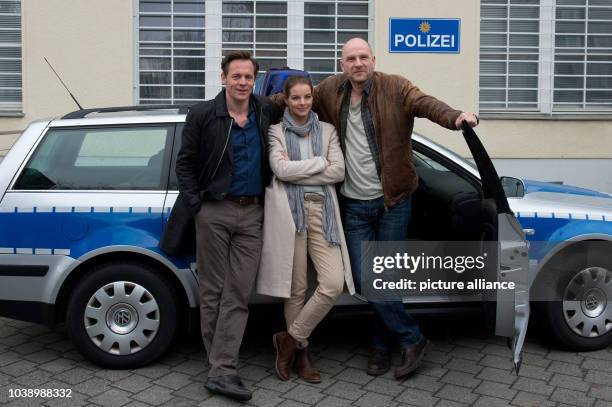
x: 228, y: 249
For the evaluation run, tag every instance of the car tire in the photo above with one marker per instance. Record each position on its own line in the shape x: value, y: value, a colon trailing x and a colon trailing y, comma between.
x: 122, y: 315
x: 579, y: 316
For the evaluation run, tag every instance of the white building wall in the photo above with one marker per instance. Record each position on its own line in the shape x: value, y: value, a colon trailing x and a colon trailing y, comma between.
x: 516, y: 144
x: 89, y: 43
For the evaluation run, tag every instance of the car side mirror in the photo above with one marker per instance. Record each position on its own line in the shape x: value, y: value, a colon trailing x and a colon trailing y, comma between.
x: 513, y: 187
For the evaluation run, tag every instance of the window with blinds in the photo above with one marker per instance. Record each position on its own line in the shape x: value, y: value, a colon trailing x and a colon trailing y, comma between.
x: 546, y: 56
x: 583, y: 55
x: 509, y: 54
x: 10, y: 56
x: 259, y: 27
x: 182, y: 42
x: 171, y: 51
x: 327, y: 26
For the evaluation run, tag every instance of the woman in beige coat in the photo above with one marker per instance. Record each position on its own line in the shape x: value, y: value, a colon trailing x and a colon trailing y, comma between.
x: 302, y: 219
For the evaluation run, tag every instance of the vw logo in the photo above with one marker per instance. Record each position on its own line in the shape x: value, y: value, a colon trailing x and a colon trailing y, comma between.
x: 122, y: 317
x: 591, y: 302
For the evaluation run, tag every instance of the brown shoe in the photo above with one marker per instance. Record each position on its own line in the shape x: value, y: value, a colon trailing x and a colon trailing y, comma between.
x: 411, y: 357
x: 285, y: 347
x: 305, y: 368
x: 379, y: 362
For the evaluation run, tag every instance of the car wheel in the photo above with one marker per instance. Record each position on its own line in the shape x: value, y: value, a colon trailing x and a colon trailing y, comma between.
x: 581, y: 316
x: 122, y: 315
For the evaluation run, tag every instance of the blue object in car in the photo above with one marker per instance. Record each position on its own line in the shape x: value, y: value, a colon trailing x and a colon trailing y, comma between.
x: 274, y: 81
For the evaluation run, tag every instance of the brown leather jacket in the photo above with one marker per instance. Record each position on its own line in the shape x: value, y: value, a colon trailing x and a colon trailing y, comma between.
x: 393, y: 103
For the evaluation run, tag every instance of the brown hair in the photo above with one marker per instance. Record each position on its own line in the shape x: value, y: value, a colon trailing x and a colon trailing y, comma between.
x: 296, y: 80
x: 238, y: 55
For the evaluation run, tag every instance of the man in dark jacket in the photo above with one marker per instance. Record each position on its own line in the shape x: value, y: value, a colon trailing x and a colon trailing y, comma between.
x: 222, y: 171
x: 374, y: 115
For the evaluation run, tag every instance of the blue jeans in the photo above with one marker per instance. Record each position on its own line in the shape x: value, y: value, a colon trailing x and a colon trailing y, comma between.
x: 370, y: 221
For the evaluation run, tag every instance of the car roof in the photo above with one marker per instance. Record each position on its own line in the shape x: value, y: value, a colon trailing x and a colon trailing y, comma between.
x: 110, y: 120
x: 150, y: 114
x: 142, y: 114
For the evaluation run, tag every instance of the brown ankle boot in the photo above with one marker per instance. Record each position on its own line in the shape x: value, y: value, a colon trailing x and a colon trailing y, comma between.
x: 305, y: 368
x: 285, y: 347
x: 411, y: 357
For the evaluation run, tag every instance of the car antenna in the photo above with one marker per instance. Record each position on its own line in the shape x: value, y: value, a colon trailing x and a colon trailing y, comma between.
x: 60, y: 79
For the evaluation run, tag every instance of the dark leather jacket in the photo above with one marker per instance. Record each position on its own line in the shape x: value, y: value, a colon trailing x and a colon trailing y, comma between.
x: 204, y: 165
x: 392, y: 102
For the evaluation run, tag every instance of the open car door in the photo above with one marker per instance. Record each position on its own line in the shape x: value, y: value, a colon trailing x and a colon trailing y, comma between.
x: 512, y: 306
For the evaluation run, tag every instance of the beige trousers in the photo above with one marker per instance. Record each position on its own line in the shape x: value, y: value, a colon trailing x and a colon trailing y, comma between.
x: 303, y: 318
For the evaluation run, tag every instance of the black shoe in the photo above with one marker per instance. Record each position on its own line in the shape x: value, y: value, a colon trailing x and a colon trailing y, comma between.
x: 379, y: 362
x: 230, y: 386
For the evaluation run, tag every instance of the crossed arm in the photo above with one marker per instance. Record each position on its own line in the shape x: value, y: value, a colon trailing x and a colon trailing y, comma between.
x: 312, y: 171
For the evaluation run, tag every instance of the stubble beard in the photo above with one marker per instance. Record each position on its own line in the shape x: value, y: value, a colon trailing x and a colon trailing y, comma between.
x: 359, y: 81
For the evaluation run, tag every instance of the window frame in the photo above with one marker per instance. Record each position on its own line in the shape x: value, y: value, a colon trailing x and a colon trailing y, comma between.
x: 214, y: 45
x: 258, y: 45
x: 14, y: 109
x: 165, y: 171
x: 546, y: 75
x: 439, y: 158
x: 171, y: 56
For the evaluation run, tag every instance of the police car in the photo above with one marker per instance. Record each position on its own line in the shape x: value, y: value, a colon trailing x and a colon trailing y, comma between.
x: 569, y: 230
x: 84, y: 199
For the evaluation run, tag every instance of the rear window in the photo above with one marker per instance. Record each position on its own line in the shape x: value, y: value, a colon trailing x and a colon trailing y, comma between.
x: 98, y: 159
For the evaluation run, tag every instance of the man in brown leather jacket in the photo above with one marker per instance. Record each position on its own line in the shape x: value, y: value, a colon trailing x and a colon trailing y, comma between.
x: 374, y: 115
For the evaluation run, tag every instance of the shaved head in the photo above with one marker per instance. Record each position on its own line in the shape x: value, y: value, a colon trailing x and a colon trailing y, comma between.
x: 357, y: 61
x: 356, y: 42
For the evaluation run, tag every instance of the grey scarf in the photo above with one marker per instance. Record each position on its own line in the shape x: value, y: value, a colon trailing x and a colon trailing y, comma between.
x: 295, y: 192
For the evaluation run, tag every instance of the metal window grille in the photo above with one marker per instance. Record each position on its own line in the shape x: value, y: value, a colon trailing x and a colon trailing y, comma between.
x: 10, y: 56
x: 171, y: 51
x: 181, y: 42
x: 583, y: 56
x: 327, y: 26
x: 546, y: 56
x: 257, y: 26
x: 509, y: 55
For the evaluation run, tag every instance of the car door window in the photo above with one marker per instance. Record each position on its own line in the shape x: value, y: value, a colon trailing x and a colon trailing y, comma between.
x: 111, y: 158
x: 421, y: 160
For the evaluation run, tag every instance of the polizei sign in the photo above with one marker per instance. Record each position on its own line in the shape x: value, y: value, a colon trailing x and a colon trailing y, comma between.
x: 424, y: 35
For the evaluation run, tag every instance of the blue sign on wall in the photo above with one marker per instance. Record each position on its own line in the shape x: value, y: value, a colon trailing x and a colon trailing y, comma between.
x: 437, y: 35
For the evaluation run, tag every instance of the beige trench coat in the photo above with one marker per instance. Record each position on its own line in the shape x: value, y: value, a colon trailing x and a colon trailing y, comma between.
x: 276, y: 266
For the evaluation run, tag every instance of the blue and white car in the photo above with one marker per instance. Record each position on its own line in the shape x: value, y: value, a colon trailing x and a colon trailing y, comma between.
x: 570, y: 235
x: 84, y: 199
x: 570, y: 230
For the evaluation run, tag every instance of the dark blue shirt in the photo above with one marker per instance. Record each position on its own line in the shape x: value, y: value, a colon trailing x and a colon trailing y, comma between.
x: 247, y: 179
